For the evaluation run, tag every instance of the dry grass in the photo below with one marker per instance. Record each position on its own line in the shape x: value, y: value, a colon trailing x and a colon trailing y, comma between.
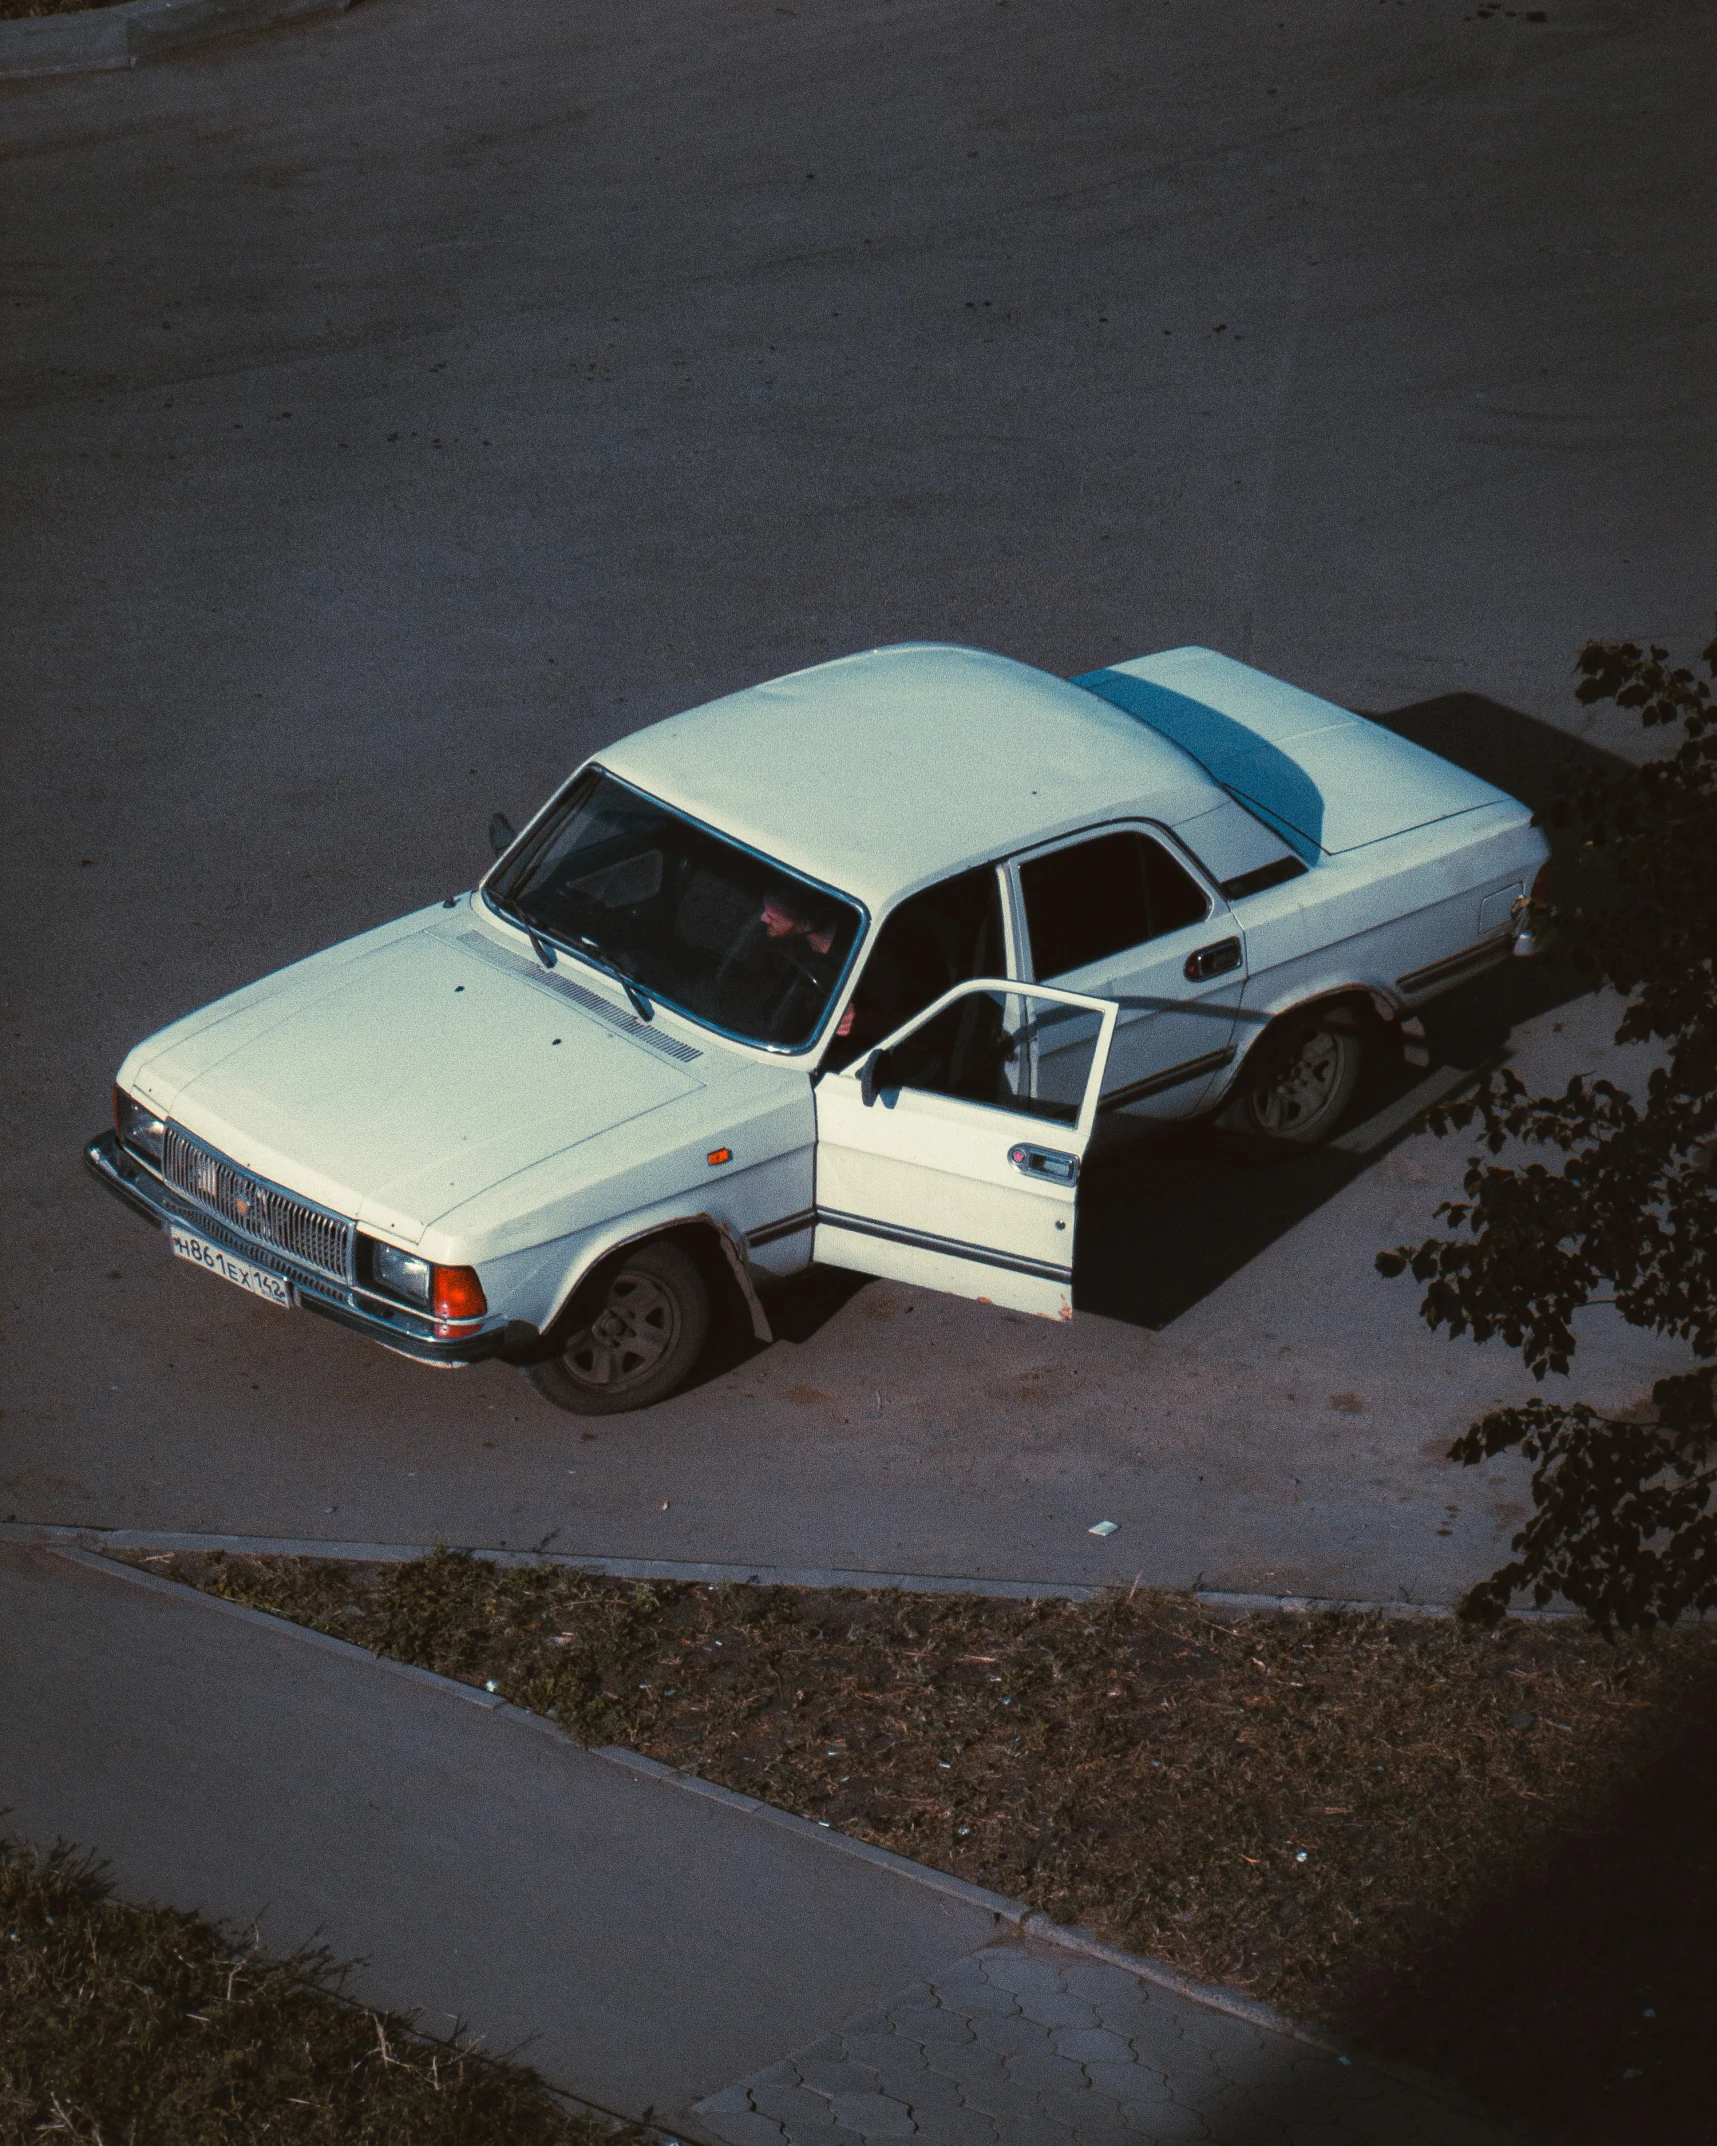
x: 1389, y: 1825
x: 20, y: 10
x: 142, y: 2026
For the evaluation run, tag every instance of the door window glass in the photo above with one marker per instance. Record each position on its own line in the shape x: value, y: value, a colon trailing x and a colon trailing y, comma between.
x: 982, y: 1049
x: 942, y: 937
x: 1098, y: 898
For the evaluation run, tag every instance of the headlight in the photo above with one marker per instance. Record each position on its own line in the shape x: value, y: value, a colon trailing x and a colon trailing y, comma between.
x: 453, y: 1296
x: 138, y: 1127
x: 400, y: 1272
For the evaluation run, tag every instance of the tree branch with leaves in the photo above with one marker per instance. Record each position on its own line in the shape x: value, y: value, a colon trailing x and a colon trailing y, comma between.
x: 1608, y: 1196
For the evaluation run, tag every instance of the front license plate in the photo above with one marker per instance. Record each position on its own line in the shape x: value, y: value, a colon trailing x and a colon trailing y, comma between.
x: 210, y: 1257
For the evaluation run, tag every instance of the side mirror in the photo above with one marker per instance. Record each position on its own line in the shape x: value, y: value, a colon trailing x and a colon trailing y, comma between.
x: 501, y: 833
x: 872, y: 1074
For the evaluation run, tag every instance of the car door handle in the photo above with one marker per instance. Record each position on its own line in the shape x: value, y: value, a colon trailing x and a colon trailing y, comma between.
x: 1214, y: 960
x: 1046, y: 1162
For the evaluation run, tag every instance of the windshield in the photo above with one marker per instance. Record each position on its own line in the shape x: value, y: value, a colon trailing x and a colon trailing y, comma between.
x: 711, y: 929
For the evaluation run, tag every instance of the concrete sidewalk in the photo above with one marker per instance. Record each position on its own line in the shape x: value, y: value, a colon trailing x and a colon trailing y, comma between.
x: 647, y: 1947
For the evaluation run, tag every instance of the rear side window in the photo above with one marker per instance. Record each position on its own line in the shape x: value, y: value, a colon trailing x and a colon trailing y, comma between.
x: 1099, y: 898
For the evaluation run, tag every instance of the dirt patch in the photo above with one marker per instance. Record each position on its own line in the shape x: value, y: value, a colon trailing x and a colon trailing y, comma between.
x: 1494, y: 1855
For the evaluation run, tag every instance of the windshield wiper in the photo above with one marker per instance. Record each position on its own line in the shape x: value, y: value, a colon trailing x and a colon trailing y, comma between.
x: 592, y: 952
x: 640, y: 1004
x: 515, y: 915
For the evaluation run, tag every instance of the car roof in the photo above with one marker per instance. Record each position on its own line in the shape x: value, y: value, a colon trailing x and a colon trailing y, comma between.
x: 882, y: 772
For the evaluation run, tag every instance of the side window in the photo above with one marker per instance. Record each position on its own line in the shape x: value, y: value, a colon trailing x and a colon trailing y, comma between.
x: 1098, y: 898
x: 944, y: 936
x: 970, y: 1052
x: 966, y: 1051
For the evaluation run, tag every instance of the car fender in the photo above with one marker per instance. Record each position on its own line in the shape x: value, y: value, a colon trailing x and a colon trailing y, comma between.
x: 1256, y: 1022
x: 671, y: 1219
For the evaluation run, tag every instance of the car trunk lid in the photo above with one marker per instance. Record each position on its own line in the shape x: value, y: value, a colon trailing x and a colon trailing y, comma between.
x: 1326, y: 780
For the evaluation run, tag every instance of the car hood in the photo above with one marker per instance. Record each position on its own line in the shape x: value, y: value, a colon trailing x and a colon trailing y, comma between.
x: 395, y: 1079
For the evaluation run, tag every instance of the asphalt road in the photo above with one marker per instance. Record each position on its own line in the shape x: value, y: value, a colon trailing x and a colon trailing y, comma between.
x: 397, y: 407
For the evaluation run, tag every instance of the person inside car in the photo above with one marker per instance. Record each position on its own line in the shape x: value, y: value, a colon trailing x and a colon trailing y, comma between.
x: 787, y: 961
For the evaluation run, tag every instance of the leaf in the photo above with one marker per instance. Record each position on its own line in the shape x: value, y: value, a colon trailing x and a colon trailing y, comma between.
x: 1625, y: 1207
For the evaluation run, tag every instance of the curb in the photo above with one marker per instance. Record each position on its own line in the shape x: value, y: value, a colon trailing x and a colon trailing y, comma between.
x: 46, y: 1536
x: 100, y: 38
x: 620, y: 1568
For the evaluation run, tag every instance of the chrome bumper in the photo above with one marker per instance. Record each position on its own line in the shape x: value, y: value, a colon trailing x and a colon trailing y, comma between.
x: 408, y: 1333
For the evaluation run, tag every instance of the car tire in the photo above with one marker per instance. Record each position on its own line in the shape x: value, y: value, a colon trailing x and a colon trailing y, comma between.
x: 631, y: 1335
x: 1299, y: 1078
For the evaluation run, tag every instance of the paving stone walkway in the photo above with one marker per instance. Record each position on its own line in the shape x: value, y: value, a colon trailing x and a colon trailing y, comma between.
x: 1029, y: 2045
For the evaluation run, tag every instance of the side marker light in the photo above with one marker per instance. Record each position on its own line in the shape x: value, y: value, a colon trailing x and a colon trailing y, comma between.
x: 719, y: 1155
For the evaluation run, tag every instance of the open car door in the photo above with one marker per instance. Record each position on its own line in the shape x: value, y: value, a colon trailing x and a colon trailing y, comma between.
x: 940, y: 1163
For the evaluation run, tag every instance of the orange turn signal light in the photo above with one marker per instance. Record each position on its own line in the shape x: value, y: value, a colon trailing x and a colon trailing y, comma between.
x: 455, y: 1293
x: 719, y: 1155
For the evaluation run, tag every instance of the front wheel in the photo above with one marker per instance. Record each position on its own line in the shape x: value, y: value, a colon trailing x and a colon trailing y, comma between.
x: 1300, y: 1078
x: 633, y: 1339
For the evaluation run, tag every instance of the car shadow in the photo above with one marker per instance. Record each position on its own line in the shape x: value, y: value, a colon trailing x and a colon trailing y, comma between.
x: 1167, y: 1214
x: 797, y: 1308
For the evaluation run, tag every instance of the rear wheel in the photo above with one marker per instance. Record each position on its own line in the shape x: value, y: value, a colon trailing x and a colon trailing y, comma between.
x: 631, y: 1337
x: 1300, y: 1078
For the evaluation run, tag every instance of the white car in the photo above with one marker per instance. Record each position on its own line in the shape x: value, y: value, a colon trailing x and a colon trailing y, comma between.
x: 840, y: 968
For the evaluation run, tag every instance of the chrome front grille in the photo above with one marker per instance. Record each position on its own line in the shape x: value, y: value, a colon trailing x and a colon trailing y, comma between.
x: 259, y: 1211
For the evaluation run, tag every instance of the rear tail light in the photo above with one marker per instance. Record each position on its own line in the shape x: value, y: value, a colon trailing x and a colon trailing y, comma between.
x: 1535, y: 916
x: 456, y: 1296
